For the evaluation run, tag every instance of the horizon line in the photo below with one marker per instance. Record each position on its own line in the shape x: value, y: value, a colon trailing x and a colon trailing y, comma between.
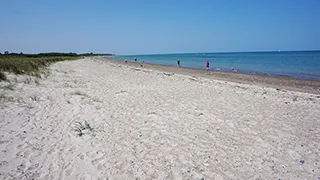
x: 263, y: 51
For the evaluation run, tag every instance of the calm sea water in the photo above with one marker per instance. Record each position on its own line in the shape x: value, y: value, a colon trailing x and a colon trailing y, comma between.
x: 298, y: 64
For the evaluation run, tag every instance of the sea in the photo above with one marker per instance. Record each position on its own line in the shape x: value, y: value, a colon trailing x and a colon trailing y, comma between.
x: 296, y: 64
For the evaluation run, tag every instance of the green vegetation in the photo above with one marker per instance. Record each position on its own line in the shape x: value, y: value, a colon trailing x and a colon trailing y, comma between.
x: 2, y: 76
x: 21, y: 64
x: 79, y: 128
x: 31, y: 64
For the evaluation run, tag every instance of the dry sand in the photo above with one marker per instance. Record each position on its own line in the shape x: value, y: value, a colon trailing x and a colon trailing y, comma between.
x: 154, y: 124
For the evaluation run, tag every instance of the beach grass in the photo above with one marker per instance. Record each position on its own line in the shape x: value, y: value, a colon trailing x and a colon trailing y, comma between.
x: 80, y: 127
x: 3, y: 77
x: 30, y: 65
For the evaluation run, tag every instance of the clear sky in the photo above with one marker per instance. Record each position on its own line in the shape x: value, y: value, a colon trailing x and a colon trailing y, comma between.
x: 161, y: 26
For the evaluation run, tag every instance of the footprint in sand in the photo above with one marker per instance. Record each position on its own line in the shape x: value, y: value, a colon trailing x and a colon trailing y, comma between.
x: 3, y: 163
x: 85, y: 176
x: 21, y: 146
x: 53, y: 167
x: 81, y: 156
x: 68, y: 170
x: 96, y: 163
x: 97, y: 157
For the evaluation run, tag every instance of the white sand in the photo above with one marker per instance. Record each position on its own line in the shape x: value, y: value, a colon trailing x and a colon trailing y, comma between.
x: 151, y: 125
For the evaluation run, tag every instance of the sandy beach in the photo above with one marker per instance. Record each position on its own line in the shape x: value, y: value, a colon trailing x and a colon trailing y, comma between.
x: 157, y: 122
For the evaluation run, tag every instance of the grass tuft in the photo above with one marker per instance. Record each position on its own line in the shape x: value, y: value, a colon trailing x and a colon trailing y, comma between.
x: 87, y: 126
x: 78, y: 131
x: 79, y: 128
x: 36, y: 81
x: 3, y: 77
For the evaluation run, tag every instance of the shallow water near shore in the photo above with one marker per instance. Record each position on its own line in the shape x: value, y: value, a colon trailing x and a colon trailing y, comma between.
x: 297, y: 64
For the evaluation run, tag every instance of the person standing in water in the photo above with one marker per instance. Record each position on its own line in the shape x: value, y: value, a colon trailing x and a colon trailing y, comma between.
x: 178, y: 62
x: 207, y: 65
x: 135, y: 59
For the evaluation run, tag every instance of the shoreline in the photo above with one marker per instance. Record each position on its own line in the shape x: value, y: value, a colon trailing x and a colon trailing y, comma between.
x: 302, y: 65
x: 278, y: 82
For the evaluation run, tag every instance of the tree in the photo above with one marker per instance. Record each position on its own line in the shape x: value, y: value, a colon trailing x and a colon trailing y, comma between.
x: 6, y: 52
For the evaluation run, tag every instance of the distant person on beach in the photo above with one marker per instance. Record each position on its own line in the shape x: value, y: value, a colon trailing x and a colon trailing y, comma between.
x: 135, y: 59
x: 207, y: 65
x: 178, y: 62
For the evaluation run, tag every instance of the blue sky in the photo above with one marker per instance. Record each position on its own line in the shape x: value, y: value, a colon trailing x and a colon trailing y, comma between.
x: 166, y: 26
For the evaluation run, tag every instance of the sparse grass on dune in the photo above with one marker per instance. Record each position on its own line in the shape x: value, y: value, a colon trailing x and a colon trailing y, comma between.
x: 27, y: 65
x: 2, y: 76
x: 79, y: 127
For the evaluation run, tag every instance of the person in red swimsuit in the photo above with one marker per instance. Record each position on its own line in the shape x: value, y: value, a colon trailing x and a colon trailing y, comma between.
x: 207, y: 65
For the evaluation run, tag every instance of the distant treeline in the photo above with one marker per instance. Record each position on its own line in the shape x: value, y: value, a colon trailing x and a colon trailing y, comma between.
x: 51, y: 54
